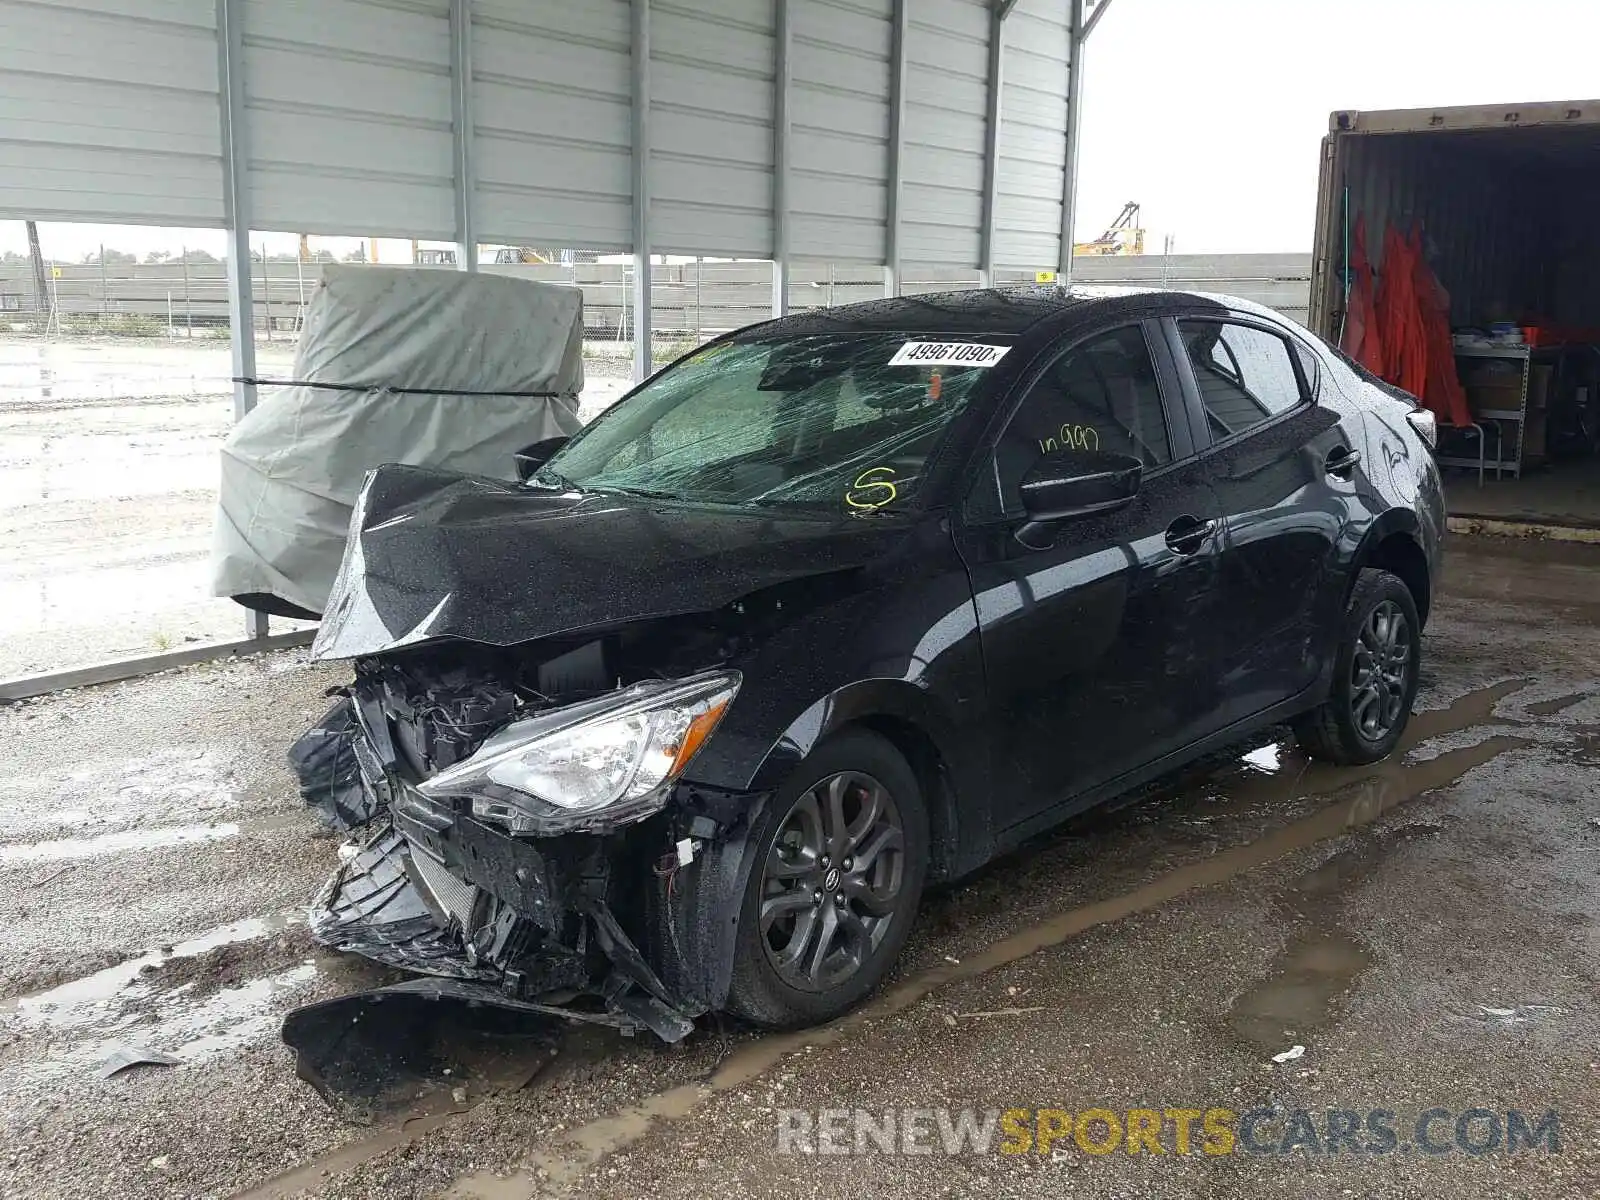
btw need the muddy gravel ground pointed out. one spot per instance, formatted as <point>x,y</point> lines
<point>108,476</point>
<point>1424,929</point>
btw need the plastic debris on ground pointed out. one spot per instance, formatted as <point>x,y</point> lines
<point>124,1057</point>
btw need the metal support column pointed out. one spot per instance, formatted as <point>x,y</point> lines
<point>897,142</point>
<point>641,190</point>
<point>236,212</point>
<point>1079,34</point>
<point>463,134</point>
<point>1094,17</point>
<point>781,77</point>
<point>991,138</point>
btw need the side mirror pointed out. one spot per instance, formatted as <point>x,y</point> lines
<point>531,458</point>
<point>1075,483</point>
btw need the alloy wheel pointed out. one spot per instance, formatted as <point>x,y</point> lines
<point>832,881</point>
<point>1380,671</point>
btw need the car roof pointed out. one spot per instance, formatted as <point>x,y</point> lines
<point>1012,310</point>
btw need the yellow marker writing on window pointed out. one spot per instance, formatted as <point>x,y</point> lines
<point>1071,437</point>
<point>872,489</point>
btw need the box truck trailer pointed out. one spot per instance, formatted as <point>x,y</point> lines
<point>1506,195</point>
<point>1506,198</point>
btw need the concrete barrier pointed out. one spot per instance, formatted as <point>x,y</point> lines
<point>689,300</point>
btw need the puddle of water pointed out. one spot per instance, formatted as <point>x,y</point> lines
<point>192,1030</point>
<point>79,1001</point>
<point>71,849</point>
<point>1321,963</point>
<point>225,1020</point>
<point>1549,708</point>
<point>183,787</point>
<point>432,1112</point>
<point>1522,1014</point>
<point>229,1018</point>
<point>1302,991</point>
<point>1356,796</point>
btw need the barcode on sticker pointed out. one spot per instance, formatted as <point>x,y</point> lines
<point>947,354</point>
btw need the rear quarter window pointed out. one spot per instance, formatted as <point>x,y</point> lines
<point>1246,375</point>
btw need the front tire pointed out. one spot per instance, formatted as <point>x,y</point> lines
<point>1375,676</point>
<point>840,859</point>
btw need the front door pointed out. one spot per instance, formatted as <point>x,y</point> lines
<point>1282,467</point>
<point>1095,636</point>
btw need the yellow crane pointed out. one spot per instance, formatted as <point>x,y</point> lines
<point>525,254</point>
<point>1122,236</point>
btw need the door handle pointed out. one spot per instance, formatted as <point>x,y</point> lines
<point>1341,463</point>
<point>1187,534</point>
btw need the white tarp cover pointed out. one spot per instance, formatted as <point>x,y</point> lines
<point>292,467</point>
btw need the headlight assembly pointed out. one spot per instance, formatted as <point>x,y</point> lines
<point>613,759</point>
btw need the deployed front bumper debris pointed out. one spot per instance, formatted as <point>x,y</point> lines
<point>493,971</point>
<point>366,1054</point>
<point>323,759</point>
<point>371,907</point>
<point>546,948</point>
<point>623,923</point>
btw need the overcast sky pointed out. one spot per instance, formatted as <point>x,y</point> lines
<point>1210,112</point>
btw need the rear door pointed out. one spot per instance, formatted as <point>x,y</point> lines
<point>1284,471</point>
<point>1094,640</point>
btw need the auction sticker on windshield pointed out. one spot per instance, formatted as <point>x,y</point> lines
<point>947,354</point>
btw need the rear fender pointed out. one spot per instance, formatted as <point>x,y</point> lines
<point>1391,521</point>
<point>1402,521</point>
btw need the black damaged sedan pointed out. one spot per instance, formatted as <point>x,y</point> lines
<point>838,606</point>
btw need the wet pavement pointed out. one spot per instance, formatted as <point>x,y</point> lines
<point>1259,932</point>
<point>108,474</point>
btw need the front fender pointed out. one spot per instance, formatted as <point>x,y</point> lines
<point>701,915</point>
<point>952,767</point>
<point>852,704</point>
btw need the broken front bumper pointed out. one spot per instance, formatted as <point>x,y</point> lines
<point>626,925</point>
<point>524,925</point>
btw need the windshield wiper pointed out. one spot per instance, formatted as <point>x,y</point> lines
<point>645,493</point>
<point>552,480</point>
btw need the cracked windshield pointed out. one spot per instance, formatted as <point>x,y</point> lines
<point>847,422</point>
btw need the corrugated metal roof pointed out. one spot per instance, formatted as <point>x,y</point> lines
<point>946,94</point>
<point>1033,136</point>
<point>839,141</point>
<point>110,112</point>
<point>552,89</point>
<point>349,100</point>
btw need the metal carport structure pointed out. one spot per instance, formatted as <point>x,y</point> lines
<point>890,133</point>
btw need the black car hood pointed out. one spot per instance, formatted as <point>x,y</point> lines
<point>435,555</point>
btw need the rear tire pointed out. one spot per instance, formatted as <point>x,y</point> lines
<point>1374,676</point>
<point>840,859</point>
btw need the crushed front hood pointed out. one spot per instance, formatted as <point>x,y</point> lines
<point>436,555</point>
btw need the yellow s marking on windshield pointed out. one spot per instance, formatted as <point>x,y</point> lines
<point>867,494</point>
<point>712,353</point>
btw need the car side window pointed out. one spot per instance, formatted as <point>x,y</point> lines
<point>1246,375</point>
<point>1308,365</point>
<point>1100,395</point>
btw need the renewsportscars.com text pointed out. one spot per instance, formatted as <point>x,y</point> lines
<point>1160,1131</point>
